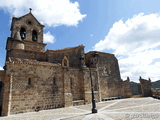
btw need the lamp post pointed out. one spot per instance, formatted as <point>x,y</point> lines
<point>93,61</point>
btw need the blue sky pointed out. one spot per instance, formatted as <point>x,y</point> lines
<point>127,28</point>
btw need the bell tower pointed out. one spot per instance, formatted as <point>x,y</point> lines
<point>29,27</point>
<point>26,36</point>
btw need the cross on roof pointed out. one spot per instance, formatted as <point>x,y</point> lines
<point>30,9</point>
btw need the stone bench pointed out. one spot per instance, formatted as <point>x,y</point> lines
<point>111,98</point>
<point>156,96</point>
<point>78,102</point>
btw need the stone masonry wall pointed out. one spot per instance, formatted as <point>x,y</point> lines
<point>145,87</point>
<point>41,93</point>
<point>2,79</point>
<point>2,75</point>
<point>109,81</point>
<point>73,85</point>
<point>17,23</point>
<point>6,94</point>
<point>87,85</point>
<point>126,88</point>
<point>31,46</point>
<point>26,54</point>
<point>77,84</point>
<point>72,55</point>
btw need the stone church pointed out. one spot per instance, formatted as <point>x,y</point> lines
<point>36,79</point>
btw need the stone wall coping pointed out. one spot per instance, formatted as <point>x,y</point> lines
<point>25,41</point>
<point>30,61</point>
<point>100,53</point>
<point>65,49</point>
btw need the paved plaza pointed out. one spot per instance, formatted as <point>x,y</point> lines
<point>122,109</point>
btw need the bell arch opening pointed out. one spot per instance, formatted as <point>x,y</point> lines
<point>34,36</point>
<point>23,33</point>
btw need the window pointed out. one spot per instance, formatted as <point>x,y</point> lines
<point>29,81</point>
<point>65,62</point>
<point>71,82</point>
<point>105,70</point>
<point>23,33</point>
<point>29,22</point>
<point>34,35</point>
<point>54,80</point>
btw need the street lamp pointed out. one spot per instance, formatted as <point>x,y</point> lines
<point>92,61</point>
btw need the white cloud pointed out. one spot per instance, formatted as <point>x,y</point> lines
<point>145,64</point>
<point>136,34</point>
<point>48,38</point>
<point>1,68</point>
<point>136,42</point>
<point>49,12</point>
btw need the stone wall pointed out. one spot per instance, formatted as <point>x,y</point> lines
<point>23,21</point>
<point>2,78</point>
<point>26,54</point>
<point>145,87</point>
<point>41,93</point>
<point>41,85</point>
<point>72,54</point>
<point>34,46</point>
<point>6,95</point>
<point>73,85</point>
<point>2,75</point>
<point>28,45</point>
<point>76,84</point>
<point>109,82</point>
<point>126,88</point>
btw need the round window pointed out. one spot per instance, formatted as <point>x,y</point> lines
<point>29,22</point>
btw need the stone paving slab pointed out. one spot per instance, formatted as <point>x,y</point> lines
<point>121,109</point>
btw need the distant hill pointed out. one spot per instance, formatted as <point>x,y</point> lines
<point>136,88</point>
<point>156,84</point>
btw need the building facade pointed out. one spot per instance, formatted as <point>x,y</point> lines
<point>34,79</point>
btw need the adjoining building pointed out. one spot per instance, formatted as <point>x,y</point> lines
<point>34,79</point>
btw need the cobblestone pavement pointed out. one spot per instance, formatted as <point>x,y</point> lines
<point>123,109</point>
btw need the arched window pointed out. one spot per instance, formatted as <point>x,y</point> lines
<point>29,81</point>
<point>34,36</point>
<point>65,62</point>
<point>23,33</point>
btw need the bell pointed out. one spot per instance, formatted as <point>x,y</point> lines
<point>22,36</point>
<point>34,38</point>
